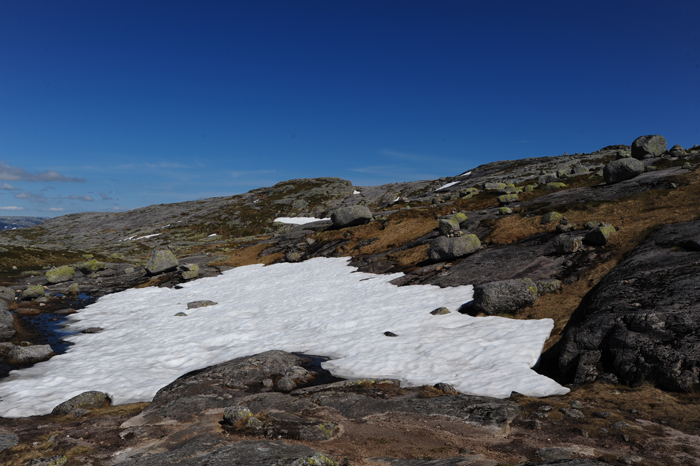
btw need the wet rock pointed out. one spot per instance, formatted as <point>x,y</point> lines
<point>643,317</point>
<point>650,146</point>
<point>202,303</point>
<point>504,297</point>
<point>621,170</point>
<point>444,248</point>
<point>162,260</point>
<point>60,274</point>
<point>86,400</point>
<point>30,354</point>
<point>351,216</point>
<point>599,236</point>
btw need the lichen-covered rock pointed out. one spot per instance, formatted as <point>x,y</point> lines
<point>190,271</point>
<point>317,459</point>
<point>444,248</point>
<point>91,266</point>
<point>645,147</point>
<point>323,431</point>
<point>507,198</point>
<point>201,303</point>
<point>86,400</point>
<point>30,354</point>
<point>599,235</point>
<point>550,217</point>
<point>494,186</point>
<point>7,293</point>
<point>556,185</point>
<point>34,291</point>
<point>547,178</point>
<point>505,210</point>
<point>447,226</point>
<point>236,414</point>
<point>677,151</point>
<point>48,461</point>
<point>504,297</point>
<point>459,217</point>
<point>591,224</point>
<point>74,288</point>
<point>579,169</point>
<point>60,274</point>
<point>567,244</point>
<point>441,311</point>
<point>548,286</point>
<point>621,170</point>
<point>687,165</point>
<point>162,260</point>
<point>293,256</point>
<point>351,216</point>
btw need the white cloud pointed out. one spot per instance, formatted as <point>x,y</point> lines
<point>30,196</point>
<point>56,209</point>
<point>11,207</point>
<point>8,187</point>
<point>10,173</point>
<point>81,198</point>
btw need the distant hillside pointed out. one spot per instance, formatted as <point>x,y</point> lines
<point>15,223</point>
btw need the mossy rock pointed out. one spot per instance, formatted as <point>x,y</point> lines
<point>599,236</point>
<point>494,186</point>
<point>74,288</point>
<point>686,165</point>
<point>162,260</point>
<point>507,198</point>
<point>460,217</point>
<point>190,271</point>
<point>33,292</point>
<point>505,210</point>
<point>556,185</point>
<point>550,217</point>
<point>60,274</point>
<point>448,226</point>
<point>90,266</point>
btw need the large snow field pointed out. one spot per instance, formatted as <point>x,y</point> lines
<point>320,306</point>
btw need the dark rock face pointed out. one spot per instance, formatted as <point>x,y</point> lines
<point>504,297</point>
<point>642,321</point>
<point>650,146</point>
<point>351,216</point>
<point>622,169</point>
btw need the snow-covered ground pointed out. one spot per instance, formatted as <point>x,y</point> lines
<point>298,220</point>
<point>320,306</point>
<point>447,185</point>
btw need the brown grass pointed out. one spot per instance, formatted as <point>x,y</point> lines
<point>250,255</point>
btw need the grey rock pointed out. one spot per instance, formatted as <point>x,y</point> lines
<point>33,291</point>
<point>8,440</point>
<point>446,388</point>
<point>567,244</point>
<point>507,198</point>
<point>162,260</point>
<point>293,256</point>
<point>201,303</point>
<point>490,186</point>
<point>48,461</point>
<point>574,413</point>
<point>7,293</point>
<point>550,217</point>
<point>441,311</point>
<point>447,226</point>
<point>351,216</point>
<point>645,147</point>
<point>30,354</point>
<point>547,178</point>
<point>235,414</point>
<point>189,271</point>
<point>86,400</point>
<point>621,170</point>
<point>643,317</point>
<point>504,297</point>
<point>548,286</point>
<point>677,151</point>
<point>444,248</point>
<point>7,329</point>
<point>579,169</point>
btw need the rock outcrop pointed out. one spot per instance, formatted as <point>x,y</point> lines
<point>642,321</point>
<point>622,169</point>
<point>645,147</point>
<point>351,216</point>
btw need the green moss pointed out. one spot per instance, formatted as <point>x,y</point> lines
<point>60,274</point>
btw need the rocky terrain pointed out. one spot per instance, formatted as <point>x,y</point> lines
<point>606,244</point>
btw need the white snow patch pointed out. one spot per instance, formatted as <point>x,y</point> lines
<point>447,185</point>
<point>330,309</point>
<point>213,234</point>
<point>147,236</point>
<point>297,220</point>
<point>466,173</point>
<point>356,192</point>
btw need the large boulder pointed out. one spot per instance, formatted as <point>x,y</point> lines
<point>642,321</point>
<point>84,401</point>
<point>30,354</point>
<point>351,216</point>
<point>60,274</point>
<point>622,169</point>
<point>504,297</point>
<point>162,260</point>
<point>444,248</point>
<point>646,147</point>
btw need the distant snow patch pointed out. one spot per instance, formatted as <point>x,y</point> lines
<point>356,192</point>
<point>466,173</point>
<point>297,220</point>
<point>447,185</point>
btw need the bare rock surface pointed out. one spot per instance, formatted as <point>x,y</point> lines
<point>642,321</point>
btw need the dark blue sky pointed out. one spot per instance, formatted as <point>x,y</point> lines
<point>131,103</point>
